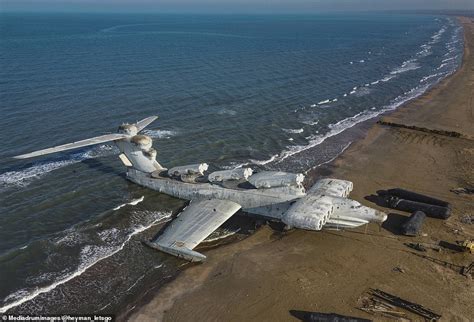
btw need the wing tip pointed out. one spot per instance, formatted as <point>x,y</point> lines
<point>180,252</point>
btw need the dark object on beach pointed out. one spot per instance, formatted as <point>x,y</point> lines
<point>373,305</point>
<point>452,134</point>
<point>412,226</point>
<point>467,191</point>
<point>407,305</point>
<point>451,246</point>
<point>412,206</point>
<point>416,246</point>
<point>467,219</point>
<point>324,317</point>
<point>413,196</point>
<point>468,270</point>
<point>454,267</point>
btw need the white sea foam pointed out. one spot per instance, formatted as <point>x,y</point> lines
<point>134,202</point>
<point>448,59</point>
<point>160,134</point>
<point>363,91</point>
<point>441,66</point>
<point>263,162</point>
<point>294,131</point>
<point>375,82</point>
<point>23,177</point>
<point>347,123</point>
<point>405,67</point>
<point>437,36</point>
<point>425,51</point>
<point>90,255</point>
<point>324,102</point>
<point>311,123</point>
<point>424,79</point>
<point>387,78</point>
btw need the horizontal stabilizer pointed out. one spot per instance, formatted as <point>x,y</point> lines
<point>74,145</point>
<point>145,122</point>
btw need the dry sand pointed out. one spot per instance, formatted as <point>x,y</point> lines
<point>268,274</point>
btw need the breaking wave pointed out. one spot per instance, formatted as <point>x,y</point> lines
<point>89,256</point>
<point>405,67</point>
<point>134,202</point>
<point>23,177</point>
<point>345,124</point>
<point>293,131</point>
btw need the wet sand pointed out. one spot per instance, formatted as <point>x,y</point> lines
<point>270,273</point>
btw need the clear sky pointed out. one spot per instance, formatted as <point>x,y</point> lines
<point>229,6</point>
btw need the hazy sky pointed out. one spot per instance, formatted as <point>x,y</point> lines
<point>229,6</point>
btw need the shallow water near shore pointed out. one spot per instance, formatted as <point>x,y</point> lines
<point>267,91</point>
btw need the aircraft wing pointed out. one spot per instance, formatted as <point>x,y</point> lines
<point>192,226</point>
<point>74,145</point>
<point>332,187</point>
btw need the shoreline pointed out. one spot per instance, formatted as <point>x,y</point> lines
<point>234,275</point>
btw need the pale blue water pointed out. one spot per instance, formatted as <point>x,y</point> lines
<point>261,90</point>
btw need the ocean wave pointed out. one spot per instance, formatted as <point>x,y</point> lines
<point>425,50</point>
<point>310,123</point>
<point>362,91</point>
<point>23,177</point>
<point>424,79</point>
<point>405,67</point>
<point>160,134</point>
<point>324,102</point>
<point>442,65</point>
<point>437,36</point>
<point>387,78</point>
<point>89,256</point>
<point>134,202</point>
<point>448,59</point>
<point>263,162</point>
<point>347,123</point>
<point>293,131</point>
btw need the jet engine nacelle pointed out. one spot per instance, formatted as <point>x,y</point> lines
<point>139,153</point>
<point>314,211</point>
<point>310,212</point>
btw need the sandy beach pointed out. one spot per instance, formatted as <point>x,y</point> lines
<point>270,273</point>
